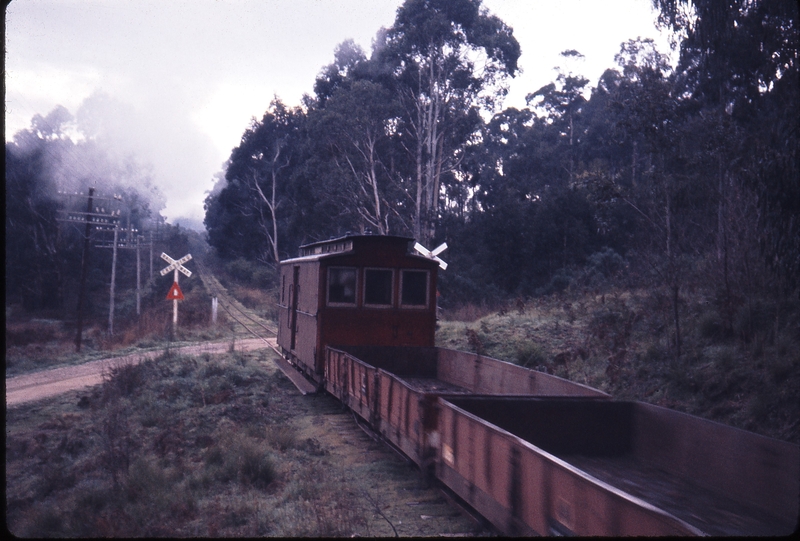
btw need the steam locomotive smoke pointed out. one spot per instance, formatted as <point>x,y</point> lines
<point>114,147</point>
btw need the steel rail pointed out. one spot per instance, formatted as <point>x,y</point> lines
<point>227,304</point>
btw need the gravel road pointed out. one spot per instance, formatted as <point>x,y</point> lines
<point>38,385</point>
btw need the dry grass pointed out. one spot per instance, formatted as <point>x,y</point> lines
<point>34,345</point>
<point>209,446</point>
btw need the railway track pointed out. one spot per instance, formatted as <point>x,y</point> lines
<point>245,320</point>
<point>248,321</point>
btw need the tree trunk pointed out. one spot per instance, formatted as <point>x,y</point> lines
<point>677,319</point>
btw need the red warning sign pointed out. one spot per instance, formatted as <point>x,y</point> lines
<point>175,293</point>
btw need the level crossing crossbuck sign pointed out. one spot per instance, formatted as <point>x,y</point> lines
<point>176,265</point>
<point>175,294</point>
<point>433,254</point>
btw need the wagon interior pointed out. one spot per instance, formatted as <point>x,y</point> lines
<point>449,371</point>
<point>710,480</point>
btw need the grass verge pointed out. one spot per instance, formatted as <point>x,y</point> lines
<point>208,446</point>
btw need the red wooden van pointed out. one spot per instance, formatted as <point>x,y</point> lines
<point>357,290</point>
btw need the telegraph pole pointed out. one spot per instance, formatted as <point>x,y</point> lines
<point>138,278</point>
<point>113,281</point>
<point>151,254</point>
<point>93,216</point>
<point>84,266</point>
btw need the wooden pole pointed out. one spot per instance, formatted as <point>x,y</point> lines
<point>113,280</point>
<point>84,265</point>
<point>151,254</point>
<point>138,279</point>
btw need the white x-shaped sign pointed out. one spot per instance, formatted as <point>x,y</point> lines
<point>432,253</point>
<point>176,264</point>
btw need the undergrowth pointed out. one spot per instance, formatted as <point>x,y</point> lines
<point>623,343</point>
<point>206,446</point>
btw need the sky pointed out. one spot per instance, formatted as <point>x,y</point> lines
<point>180,80</point>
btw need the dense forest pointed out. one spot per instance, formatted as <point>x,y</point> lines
<point>668,177</point>
<point>679,179</point>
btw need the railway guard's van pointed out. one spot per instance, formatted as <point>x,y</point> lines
<point>357,290</point>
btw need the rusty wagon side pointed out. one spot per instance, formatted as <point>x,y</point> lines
<point>395,389</point>
<point>572,466</point>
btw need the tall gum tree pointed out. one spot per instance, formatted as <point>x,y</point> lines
<point>449,57</point>
<point>354,118</point>
<point>256,174</point>
<point>739,66</point>
<point>563,103</point>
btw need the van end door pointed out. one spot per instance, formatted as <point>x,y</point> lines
<point>294,293</point>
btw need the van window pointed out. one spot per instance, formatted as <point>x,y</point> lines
<point>378,287</point>
<point>414,288</point>
<point>341,285</point>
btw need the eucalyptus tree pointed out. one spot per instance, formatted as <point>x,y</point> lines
<point>31,240</point>
<point>739,69</point>
<point>562,102</point>
<point>257,176</point>
<point>670,204</point>
<point>357,125</point>
<point>449,58</point>
<point>44,163</point>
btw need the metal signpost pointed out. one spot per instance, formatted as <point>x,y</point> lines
<point>175,293</point>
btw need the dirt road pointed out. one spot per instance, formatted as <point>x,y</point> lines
<point>38,385</point>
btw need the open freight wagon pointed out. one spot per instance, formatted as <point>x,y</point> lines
<point>395,389</point>
<point>572,466</point>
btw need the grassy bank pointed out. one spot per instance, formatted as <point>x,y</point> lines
<point>624,343</point>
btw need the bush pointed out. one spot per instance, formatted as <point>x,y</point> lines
<point>602,265</point>
<point>282,437</point>
<point>124,379</point>
<point>147,481</point>
<point>257,468</point>
<point>530,355</point>
<point>252,273</point>
<point>558,283</point>
<point>236,457</point>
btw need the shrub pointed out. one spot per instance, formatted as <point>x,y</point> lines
<point>124,379</point>
<point>282,437</point>
<point>530,355</point>
<point>236,457</point>
<point>252,273</point>
<point>147,481</point>
<point>558,283</point>
<point>257,468</point>
<point>601,267</point>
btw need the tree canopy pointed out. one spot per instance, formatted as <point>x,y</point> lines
<point>687,172</point>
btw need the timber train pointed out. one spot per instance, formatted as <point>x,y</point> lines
<point>534,454</point>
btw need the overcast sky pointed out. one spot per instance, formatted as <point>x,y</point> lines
<point>182,78</point>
